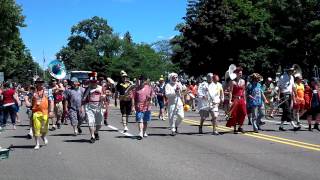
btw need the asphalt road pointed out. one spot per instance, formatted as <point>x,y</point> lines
<point>269,155</point>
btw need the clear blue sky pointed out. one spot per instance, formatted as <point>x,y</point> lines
<point>49,21</point>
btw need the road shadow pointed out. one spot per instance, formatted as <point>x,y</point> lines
<point>108,130</point>
<point>63,135</point>
<point>128,137</point>
<point>22,137</point>
<point>23,125</point>
<point>22,147</point>
<point>156,134</point>
<point>158,127</point>
<point>77,141</point>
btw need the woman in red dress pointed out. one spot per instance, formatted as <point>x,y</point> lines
<point>237,100</point>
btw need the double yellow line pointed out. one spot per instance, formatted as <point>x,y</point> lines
<point>276,139</point>
<point>290,142</point>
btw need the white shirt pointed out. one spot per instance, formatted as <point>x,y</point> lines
<point>173,96</point>
<point>286,83</point>
<point>214,91</point>
<point>203,103</point>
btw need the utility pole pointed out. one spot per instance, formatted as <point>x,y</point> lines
<point>44,61</point>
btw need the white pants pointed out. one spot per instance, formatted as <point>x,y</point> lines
<point>94,114</point>
<point>176,115</point>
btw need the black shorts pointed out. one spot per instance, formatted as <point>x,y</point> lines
<point>125,107</point>
<point>161,102</point>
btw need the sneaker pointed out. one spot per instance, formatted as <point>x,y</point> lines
<point>216,133</point>
<point>282,129</point>
<point>262,123</point>
<point>58,125</point>
<point>79,130</point>
<point>125,129</point>
<point>173,132</point>
<point>96,135</point>
<point>37,147</point>
<point>92,140</point>
<point>75,133</point>
<point>145,134</point>
<point>45,141</point>
<point>29,136</point>
<point>177,132</point>
<point>140,136</point>
<point>14,127</point>
<point>53,128</point>
<point>297,128</point>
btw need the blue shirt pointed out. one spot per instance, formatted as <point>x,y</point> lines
<point>255,90</point>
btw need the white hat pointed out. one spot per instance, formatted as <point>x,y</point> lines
<point>171,75</point>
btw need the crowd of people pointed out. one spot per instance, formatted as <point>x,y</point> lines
<point>71,101</point>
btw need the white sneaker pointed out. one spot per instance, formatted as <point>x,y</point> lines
<point>14,127</point>
<point>145,134</point>
<point>125,129</point>
<point>37,147</point>
<point>45,141</point>
<point>140,135</point>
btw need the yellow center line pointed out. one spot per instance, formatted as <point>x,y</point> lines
<point>266,137</point>
<point>282,142</point>
<point>276,137</point>
<point>196,123</point>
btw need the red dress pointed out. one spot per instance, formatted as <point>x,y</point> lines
<point>238,109</point>
<point>307,97</point>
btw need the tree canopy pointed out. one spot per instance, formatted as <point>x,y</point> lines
<point>259,35</point>
<point>15,59</point>
<point>94,46</point>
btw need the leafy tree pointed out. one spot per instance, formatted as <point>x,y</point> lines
<point>93,46</point>
<point>259,35</point>
<point>15,59</point>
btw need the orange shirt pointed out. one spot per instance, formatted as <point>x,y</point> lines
<point>40,104</point>
<point>300,91</point>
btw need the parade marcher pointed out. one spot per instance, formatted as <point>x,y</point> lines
<point>203,103</point>
<point>141,98</point>
<point>10,101</point>
<point>270,93</point>
<point>72,105</point>
<point>160,92</point>
<point>255,101</point>
<point>57,92</point>
<point>286,92</point>
<point>92,102</point>
<point>173,91</point>
<point>312,103</point>
<point>122,91</point>
<point>28,98</point>
<point>42,106</point>
<point>214,95</point>
<point>107,92</point>
<point>1,107</point>
<point>237,102</point>
<point>299,106</point>
<point>193,89</point>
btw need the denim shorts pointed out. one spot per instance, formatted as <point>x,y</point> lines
<point>143,116</point>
